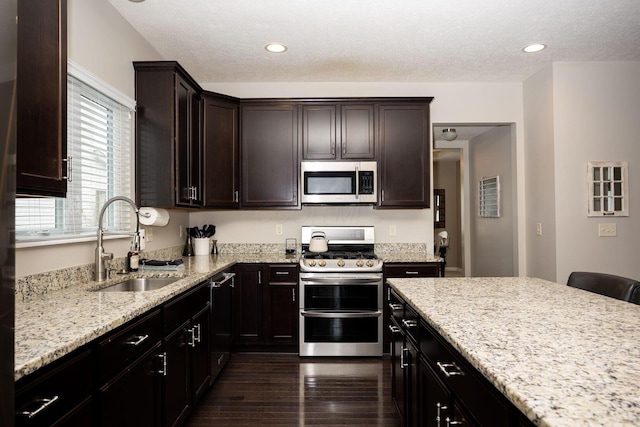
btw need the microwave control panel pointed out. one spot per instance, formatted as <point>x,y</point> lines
<point>365,182</point>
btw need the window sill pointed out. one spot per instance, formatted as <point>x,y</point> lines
<point>20,244</point>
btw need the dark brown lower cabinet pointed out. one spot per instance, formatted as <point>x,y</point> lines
<point>281,305</point>
<point>133,397</point>
<point>186,357</point>
<point>266,307</point>
<point>59,395</point>
<point>398,391</point>
<point>176,399</point>
<point>435,398</point>
<point>433,385</point>
<point>248,306</point>
<point>201,353</point>
<point>150,371</point>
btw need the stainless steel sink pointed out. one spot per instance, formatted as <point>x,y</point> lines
<point>140,284</point>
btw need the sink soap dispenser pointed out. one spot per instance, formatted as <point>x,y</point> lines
<point>133,257</point>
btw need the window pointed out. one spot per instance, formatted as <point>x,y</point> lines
<point>608,194</point>
<point>99,145</point>
<point>489,197</point>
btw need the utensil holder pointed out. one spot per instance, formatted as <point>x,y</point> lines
<point>201,246</point>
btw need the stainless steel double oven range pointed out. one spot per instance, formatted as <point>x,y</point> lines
<point>341,294</point>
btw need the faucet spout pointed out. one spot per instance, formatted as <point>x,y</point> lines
<point>101,256</point>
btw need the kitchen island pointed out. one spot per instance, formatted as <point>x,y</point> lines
<point>562,356</point>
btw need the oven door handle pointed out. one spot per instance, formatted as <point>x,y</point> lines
<point>341,281</point>
<point>341,315</point>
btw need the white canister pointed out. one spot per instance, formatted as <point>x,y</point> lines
<point>201,245</point>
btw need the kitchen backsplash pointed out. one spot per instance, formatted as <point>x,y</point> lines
<point>40,284</point>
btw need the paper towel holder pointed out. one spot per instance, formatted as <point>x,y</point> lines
<point>151,216</point>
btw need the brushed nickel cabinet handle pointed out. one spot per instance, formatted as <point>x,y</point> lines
<point>449,369</point>
<point>137,340</point>
<point>45,404</point>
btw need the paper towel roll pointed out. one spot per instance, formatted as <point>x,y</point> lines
<point>154,216</point>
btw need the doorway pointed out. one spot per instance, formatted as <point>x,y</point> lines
<point>478,246</point>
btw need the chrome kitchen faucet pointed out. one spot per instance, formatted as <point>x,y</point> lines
<point>102,273</point>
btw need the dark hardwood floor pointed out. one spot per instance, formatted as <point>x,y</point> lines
<point>258,389</point>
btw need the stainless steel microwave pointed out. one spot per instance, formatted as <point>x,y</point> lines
<point>339,182</point>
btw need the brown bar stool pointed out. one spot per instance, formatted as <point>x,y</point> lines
<point>609,285</point>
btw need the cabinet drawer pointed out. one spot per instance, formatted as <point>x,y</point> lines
<point>283,273</point>
<point>410,323</point>
<point>396,308</point>
<point>180,309</point>
<point>53,394</point>
<point>412,270</point>
<point>470,387</point>
<point>122,346</point>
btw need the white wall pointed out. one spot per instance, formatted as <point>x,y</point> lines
<point>540,175</point>
<point>596,117</point>
<point>493,239</point>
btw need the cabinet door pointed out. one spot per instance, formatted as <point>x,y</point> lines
<point>201,353</point>
<point>168,142</point>
<point>319,132</point>
<point>404,160</point>
<point>397,370</point>
<point>357,132</point>
<point>412,380</point>
<point>434,399</point>
<point>187,144</point>
<point>282,313</point>
<point>176,390</point>
<point>248,305</point>
<point>221,162</point>
<point>133,398</point>
<point>54,394</point>
<point>41,98</point>
<point>270,158</point>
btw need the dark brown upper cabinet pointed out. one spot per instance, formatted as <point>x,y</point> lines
<point>334,131</point>
<point>42,98</point>
<point>168,143</point>
<point>269,146</point>
<point>404,159</point>
<point>221,151</point>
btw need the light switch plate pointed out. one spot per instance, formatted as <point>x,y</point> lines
<point>607,230</point>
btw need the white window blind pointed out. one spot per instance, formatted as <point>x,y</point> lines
<point>99,144</point>
<point>489,197</point>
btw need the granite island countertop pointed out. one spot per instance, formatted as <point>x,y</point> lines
<point>51,325</point>
<point>562,356</point>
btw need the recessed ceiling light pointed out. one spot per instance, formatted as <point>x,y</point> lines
<point>533,48</point>
<point>275,47</point>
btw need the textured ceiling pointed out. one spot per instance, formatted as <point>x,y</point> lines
<point>383,40</point>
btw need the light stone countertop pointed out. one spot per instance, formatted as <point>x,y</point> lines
<point>563,356</point>
<point>54,324</point>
